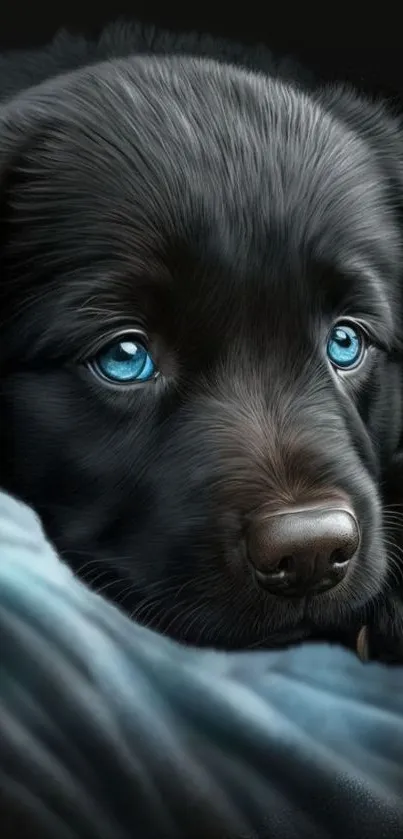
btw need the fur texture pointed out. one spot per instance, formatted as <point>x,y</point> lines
<point>232,216</point>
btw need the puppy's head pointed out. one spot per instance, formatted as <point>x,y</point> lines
<point>200,318</point>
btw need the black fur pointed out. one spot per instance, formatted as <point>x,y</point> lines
<point>232,216</point>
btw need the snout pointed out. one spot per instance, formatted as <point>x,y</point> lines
<point>303,550</point>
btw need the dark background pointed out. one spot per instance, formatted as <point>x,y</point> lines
<point>335,44</point>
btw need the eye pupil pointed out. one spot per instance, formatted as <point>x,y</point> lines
<point>345,346</point>
<point>125,361</point>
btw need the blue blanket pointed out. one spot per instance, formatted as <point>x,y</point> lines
<point>108,731</point>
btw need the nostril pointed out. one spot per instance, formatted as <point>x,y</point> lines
<point>286,564</point>
<point>339,557</point>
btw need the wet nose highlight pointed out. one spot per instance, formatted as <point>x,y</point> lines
<point>303,550</point>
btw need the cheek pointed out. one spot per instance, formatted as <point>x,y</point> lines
<point>370,401</point>
<point>357,386</point>
<point>384,410</point>
<point>62,439</point>
<point>373,411</point>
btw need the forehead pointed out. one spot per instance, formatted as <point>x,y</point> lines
<point>208,186</point>
<point>195,141</point>
<point>181,142</point>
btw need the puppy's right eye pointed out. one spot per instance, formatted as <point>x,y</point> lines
<point>124,361</point>
<point>345,345</point>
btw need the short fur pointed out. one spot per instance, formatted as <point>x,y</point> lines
<point>233,216</point>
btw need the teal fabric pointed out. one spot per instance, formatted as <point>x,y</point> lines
<point>108,731</point>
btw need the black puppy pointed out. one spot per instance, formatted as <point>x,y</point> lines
<point>201,325</point>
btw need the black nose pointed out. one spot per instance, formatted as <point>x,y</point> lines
<point>303,550</point>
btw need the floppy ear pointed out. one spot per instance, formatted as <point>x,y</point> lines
<point>376,123</point>
<point>20,120</point>
<point>25,122</point>
<point>381,129</point>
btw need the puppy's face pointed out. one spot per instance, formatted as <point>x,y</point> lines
<point>200,394</point>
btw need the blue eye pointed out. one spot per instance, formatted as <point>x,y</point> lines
<point>125,361</point>
<point>345,345</point>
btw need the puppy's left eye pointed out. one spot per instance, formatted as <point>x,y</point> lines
<point>126,360</point>
<point>345,345</point>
